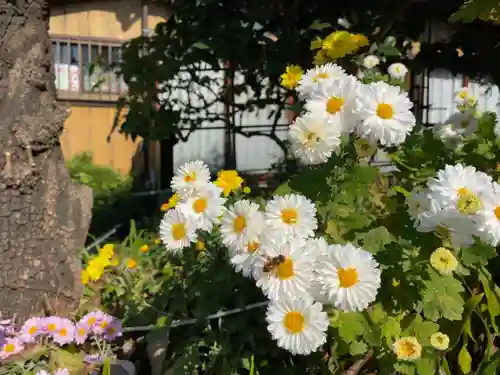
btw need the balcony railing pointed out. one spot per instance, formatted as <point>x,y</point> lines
<point>81,69</point>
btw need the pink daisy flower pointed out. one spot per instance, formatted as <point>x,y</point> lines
<point>10,347</point>
<point>31,329</point>
<point>65,332</point>
<point>81,332</point>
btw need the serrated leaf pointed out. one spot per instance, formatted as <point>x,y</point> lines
<point>358,348</point>
<point>465,360</point>
<point>477,254</point>
<point>442,297</point>
<point>74,362</point>
<point>391,329</point>
<point>375,239</point>
<point>426,366</point>
<point>350,326</point>
<point>404,368</point>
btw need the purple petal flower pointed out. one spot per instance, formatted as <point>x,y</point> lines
<point>64,332</point>
<point>10,347</point>
<point>81,333</point>
<point>114,330</point>
<point>31,329</point>
<point>62,371</point>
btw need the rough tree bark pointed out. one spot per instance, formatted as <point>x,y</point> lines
<point>44,218</point>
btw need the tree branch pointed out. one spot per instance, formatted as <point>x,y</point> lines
<point>358,365</point>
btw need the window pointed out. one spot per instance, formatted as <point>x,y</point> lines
<point>81,69</point>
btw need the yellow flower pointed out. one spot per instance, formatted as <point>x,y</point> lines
<point>440,341</point>
<point>247,190</point>
<point>131,263</point>
<point>144,249</point>
<point>84,275</point>
<point>200,245</point>
<point>157,241</point>
<point>164,207</point>
<point>320,58</point>
<point>229,181</point>
<point>172,202</point>
<point>317,43</point>
<point>407,349</point>
<point>291,77</point>
<point>443,261</point>
<point>94,271</point>
<point>339,44</point>
<point>107,251</point>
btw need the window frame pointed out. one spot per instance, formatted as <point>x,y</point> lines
<point>84,94</point>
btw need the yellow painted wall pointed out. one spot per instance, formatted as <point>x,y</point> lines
<point>88,127</point>
<point>120,19</point>
<point>87,130</point>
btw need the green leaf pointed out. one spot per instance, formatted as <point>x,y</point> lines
<point>283,189</point>
<point>350,326</point>
<point>465,360</point>
<point>491,297</point>
<point>391,329</point>
<point>200,45</point>
<point>375,239</point>
<point>441,297</point>
<point>421,329</point>
<point>358,348</point>
<point>319,25</point>
<point>445,367</point>
<point>64,359</point>
<point>491,366</point>
<point>426,366</point>
<point>477,254</point>
<point>404,368</point>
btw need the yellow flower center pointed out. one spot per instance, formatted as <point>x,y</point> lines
<point>200,205</point>
<point>289,215</point>
<point>462,191</point>
<point>320,76</point>
<point>348,277</point>
<point>294,322</point>
<point>385,111</point>
<point>311,138</point>
<point>92,321</point>
<point>144,249</point>
<point>32,330</point>
<point>131,263</point>
<point>469,204</point>
<point>397,69</point>
<point>81,331</point>
<point>104,324</point>
<point>51,327</point>
<point>239,224</point>
<point>407,349</point>
<point>462,94</point>
<point>190,177</point>
<point>444,260</point>
<point>9,348</point>
<point>111,330</point>
<point>178,231</point>
<point>252,247</point>
<point>285,270</point>
<point>200,245</point>
<point>497,212</point>
<point>334,105</point>
<point>63,332</point>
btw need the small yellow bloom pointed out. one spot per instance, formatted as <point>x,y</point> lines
<point>229,181</point>
<point>107,251</point>
<point>440,341</point>
<point>131,263</point>
<point>407,349</point>
<point>84,275</point>
<point>247,190</point>
<point>444,261</point>
<point>94,271</point>
<point>164,207</point>
<point>200,245</point>
<point>291,77</point>
<point>174,199</point>
<point>144,249</point>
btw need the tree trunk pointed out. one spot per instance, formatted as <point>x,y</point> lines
<point>44,218</point>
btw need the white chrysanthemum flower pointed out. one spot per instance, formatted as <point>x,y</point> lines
<point>297,325</point>
<point>336,100</point>
<point>313,137</point>
<point>317,77</point>
<point>291,275</point>
<point>291,216</point>
<point>488,218</point>
<point>460,187</point>
<point>447,134</point>
<point>241,223</point>
<point>205,206</point>
<point>177,230</point>
<point>419,204</point>
<point>448,223</point>
<point>248,259</point>
<point>464,123</point>
<point>349,277</point>
<point>465,97</point>
<point>371,61</point>
<point>385,115</point>
<point>397,70</point>
<point>190,177</point>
